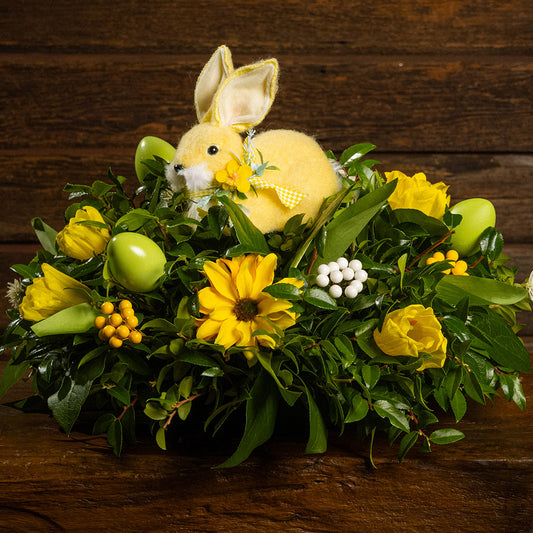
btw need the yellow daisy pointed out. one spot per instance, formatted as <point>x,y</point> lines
<point>235,306</point>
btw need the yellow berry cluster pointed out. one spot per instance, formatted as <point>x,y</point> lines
<point>459,267</point>
<point>116,327</point>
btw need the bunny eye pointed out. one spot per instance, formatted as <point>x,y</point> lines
<point>213,149</point>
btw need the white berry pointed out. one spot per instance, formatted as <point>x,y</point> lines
<point>357,284</point>
<point>342,262</point>
<point>333,266</point>
<point>355,265</point>
<point>336,277</point>
<point>351,291</point>
<point>323,269</point>
<point>361,275</point>
<point>322,280</point>
<point>348,274</point>
<point>335,291</point>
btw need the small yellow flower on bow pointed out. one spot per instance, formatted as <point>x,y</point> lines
<point>235,176</point>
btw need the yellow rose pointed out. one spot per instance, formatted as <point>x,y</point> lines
<point>51,293</point>
<point>418,193</point>
<point>83,241</point>
<point>411,331</point>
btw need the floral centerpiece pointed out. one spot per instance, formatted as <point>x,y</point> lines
<point>386,310</point>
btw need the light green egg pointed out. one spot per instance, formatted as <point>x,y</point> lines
<point>147,148</point>
<point>478,215</point>
<point>135,261</point>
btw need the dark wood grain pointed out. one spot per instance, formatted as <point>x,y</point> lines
<point>416,103</point>
<point>440,87</point>
<point>269,26</point>
<point>56,483</point>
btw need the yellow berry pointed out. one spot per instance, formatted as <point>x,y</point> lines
<point>135,337</point>
<point>99,322</point>
<point>102,336</point>
<point>115,319</point>
<point>447,271</point>
<point>439,256</point>
<point>124,304</point>
<point>127,312</point>
<point>431,261</point>
<point>123,332</point>
<point>460,268</point>
<point>452,255</point>
<point>132,322</point>
<point>108,331</point>
<point>115,342</point>
<point>107,308</point>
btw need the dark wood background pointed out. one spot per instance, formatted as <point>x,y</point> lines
<point>441,87</point>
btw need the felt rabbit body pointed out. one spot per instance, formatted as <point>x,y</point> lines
<point>229,102</point>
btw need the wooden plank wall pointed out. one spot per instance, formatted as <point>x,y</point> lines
<point>443,87</point>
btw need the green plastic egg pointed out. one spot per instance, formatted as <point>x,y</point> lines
<point>147,148</point>
<point>478,215</point>
<point>135,261</point>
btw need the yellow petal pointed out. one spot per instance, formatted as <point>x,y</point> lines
<point>208,330</point>
<point>228,334</point>
<point>220,279</point>
<point>264,274</point>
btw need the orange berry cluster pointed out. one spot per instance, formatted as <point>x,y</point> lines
<point>116,327</point>
<point>459,267</point>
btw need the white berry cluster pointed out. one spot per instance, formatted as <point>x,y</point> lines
<point>341,271</point>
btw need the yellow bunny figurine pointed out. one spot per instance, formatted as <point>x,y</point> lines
<point>231,101</point>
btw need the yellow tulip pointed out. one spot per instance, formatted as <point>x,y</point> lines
<point>412,331</point>
<point>51,293</point>
<point>235,306</point>
<point>418,193</point>
<point>83,241</point>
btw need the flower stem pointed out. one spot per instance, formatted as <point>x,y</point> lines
<point>430,249</point>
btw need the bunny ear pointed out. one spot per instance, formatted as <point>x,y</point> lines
<point>215,71</point>
<point>244,99</point>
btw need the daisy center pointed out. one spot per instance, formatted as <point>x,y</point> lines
<point>245,310</point>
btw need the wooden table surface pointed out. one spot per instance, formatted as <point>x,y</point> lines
<point>440,87</point>
<point>484,483</point>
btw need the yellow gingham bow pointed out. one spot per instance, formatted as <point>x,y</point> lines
<point>287,197</point>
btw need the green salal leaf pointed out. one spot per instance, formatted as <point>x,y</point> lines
<point>429,224</point>
<point>115,437</point>
<point>318,435</point>
<point>407,442</point>
<point>344,228</point>
<point>261,412</point>
<point>66,403</point>
<point>358,409</point>
<point>500,342</point>
<point>446,436</point>
<point>284,291</point>
<point>134,219</point>
<point>386,410</point>
<point>319,298</point>
<point>481,291</point>
<point>46,235</point>
<point>251,239</point>
<point>12,373</point>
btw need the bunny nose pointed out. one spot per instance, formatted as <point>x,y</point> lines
<point>178,168</point>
